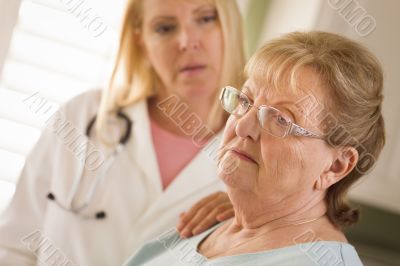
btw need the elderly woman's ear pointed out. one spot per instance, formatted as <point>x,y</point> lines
<point>342,164</point>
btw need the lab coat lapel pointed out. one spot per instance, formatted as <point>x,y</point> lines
<point>197,175</point>
<point>141,149</point>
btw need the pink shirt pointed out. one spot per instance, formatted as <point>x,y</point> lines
<point>173,152</point>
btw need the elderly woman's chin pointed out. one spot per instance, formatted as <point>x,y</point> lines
<point>237,173</point>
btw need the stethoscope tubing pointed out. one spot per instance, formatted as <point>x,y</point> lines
<point>103,170</point>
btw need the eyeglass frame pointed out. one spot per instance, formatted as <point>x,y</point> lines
<point>293,128</point>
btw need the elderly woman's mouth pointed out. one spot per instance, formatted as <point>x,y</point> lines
<point>243,155</point>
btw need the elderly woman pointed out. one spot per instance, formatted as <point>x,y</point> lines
<point>305,126</point>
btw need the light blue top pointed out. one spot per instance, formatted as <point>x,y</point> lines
<point>169,249</point>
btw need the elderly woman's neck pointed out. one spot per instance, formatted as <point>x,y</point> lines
<point>292,211</point>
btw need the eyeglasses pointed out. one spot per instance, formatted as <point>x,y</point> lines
<point>271,119</point>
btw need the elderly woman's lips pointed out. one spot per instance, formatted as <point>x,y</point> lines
<point>243,155</point>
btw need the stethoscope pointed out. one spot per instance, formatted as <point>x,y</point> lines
<point>78,210</point>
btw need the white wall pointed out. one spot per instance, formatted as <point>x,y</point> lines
<point>288,15</point>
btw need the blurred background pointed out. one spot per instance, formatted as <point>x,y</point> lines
<point>58,49</point>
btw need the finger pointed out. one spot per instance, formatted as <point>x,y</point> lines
<point>199,211</point>
<point>227,214</point>
<point>196,219</point>
<point>211,218</point>
<point>224,210</point>
<point>194,209</point>
<point>207,223</point>
<point>188,228</point>
<point>181,224</point>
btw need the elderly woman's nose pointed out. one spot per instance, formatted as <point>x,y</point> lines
<point>247,126</point>
<point>188,39</point>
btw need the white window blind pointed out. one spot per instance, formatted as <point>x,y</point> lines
<point>58,50</point>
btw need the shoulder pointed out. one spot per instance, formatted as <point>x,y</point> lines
<point>305,254</point>
<point>337,253</point>
<point>78,110</point>
<point>167,249</point>
<point>88,100</point>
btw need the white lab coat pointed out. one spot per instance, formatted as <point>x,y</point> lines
<point>131,194</point>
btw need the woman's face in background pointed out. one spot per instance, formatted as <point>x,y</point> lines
<point>183,42</point>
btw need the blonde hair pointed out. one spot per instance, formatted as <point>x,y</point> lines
<point>353,80</point>
<point>133,78</point>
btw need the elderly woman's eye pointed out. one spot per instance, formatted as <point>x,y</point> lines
<point>282,120</point>
<point>243,101</point>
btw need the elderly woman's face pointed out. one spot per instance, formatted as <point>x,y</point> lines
<point>183,42</point>
<point>270,167</point>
